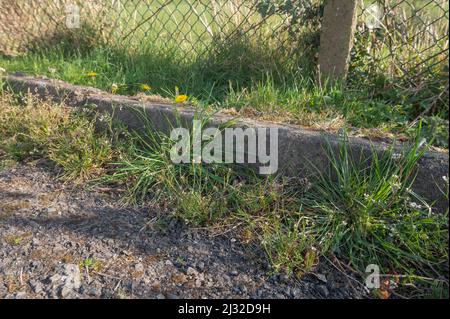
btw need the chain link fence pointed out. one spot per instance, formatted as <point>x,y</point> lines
<point>400,38</point>
<point>405,39</point>
<point>30,24</point>
<point>188,25</point>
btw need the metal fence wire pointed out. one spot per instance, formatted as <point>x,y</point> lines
<point>402,38</point>
<point>189,25</point>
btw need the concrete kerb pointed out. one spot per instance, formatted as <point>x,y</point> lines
<point>298,147</point>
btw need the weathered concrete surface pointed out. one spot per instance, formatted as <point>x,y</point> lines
<point>298,147</point>
<point>336,39</point>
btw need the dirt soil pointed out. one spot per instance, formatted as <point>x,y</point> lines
<point>60,241</point>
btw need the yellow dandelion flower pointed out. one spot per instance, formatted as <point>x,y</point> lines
<point>91,74</point>
<point>181,98</point>
<point>145,87</point>
<point>114,88</point>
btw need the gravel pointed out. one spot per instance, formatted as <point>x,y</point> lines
<point>48,230</point>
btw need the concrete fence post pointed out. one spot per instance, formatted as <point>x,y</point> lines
<point>336,39</point>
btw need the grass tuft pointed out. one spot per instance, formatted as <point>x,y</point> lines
<point>32,129</point>
<point>364,209</point>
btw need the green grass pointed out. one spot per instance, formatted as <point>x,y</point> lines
<point>361,210</point>
<point>90,264</point>
<point>234,59</point>
<point>370,212</point>
<point>42,130</point>
<point>253,72</point>
<point>367,215</point>
<point>252,86</point>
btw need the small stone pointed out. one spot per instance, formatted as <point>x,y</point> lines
<point>56,279</point>
<point>125,252</point>
<point>288,291</point>
<point>52,210</point>
<point>199,280</point>
<point>295,292</point>
<point>322,278</point>
<point>73,275</point>
<point>20,295</point>
<point>191,272</point>
<point>226,278</point>
<point>36,286</point>
<point>168,263</point>
<point>284,278</point>
<point>93,291</point>
<point>66,282</point>
<point>234,273</point>
<point>160,296</point>
<point>323,290</point>
<point>68,293</point>
<point>201,265</point>
<point>139,267</point>
<point>243,289</point>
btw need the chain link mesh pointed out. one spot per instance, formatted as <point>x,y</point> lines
<point>190,25</point>
<point>404,39</point>
<point>399,37</point>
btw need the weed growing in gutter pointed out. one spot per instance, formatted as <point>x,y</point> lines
<point>361,210</point>
<point>369,213</point>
